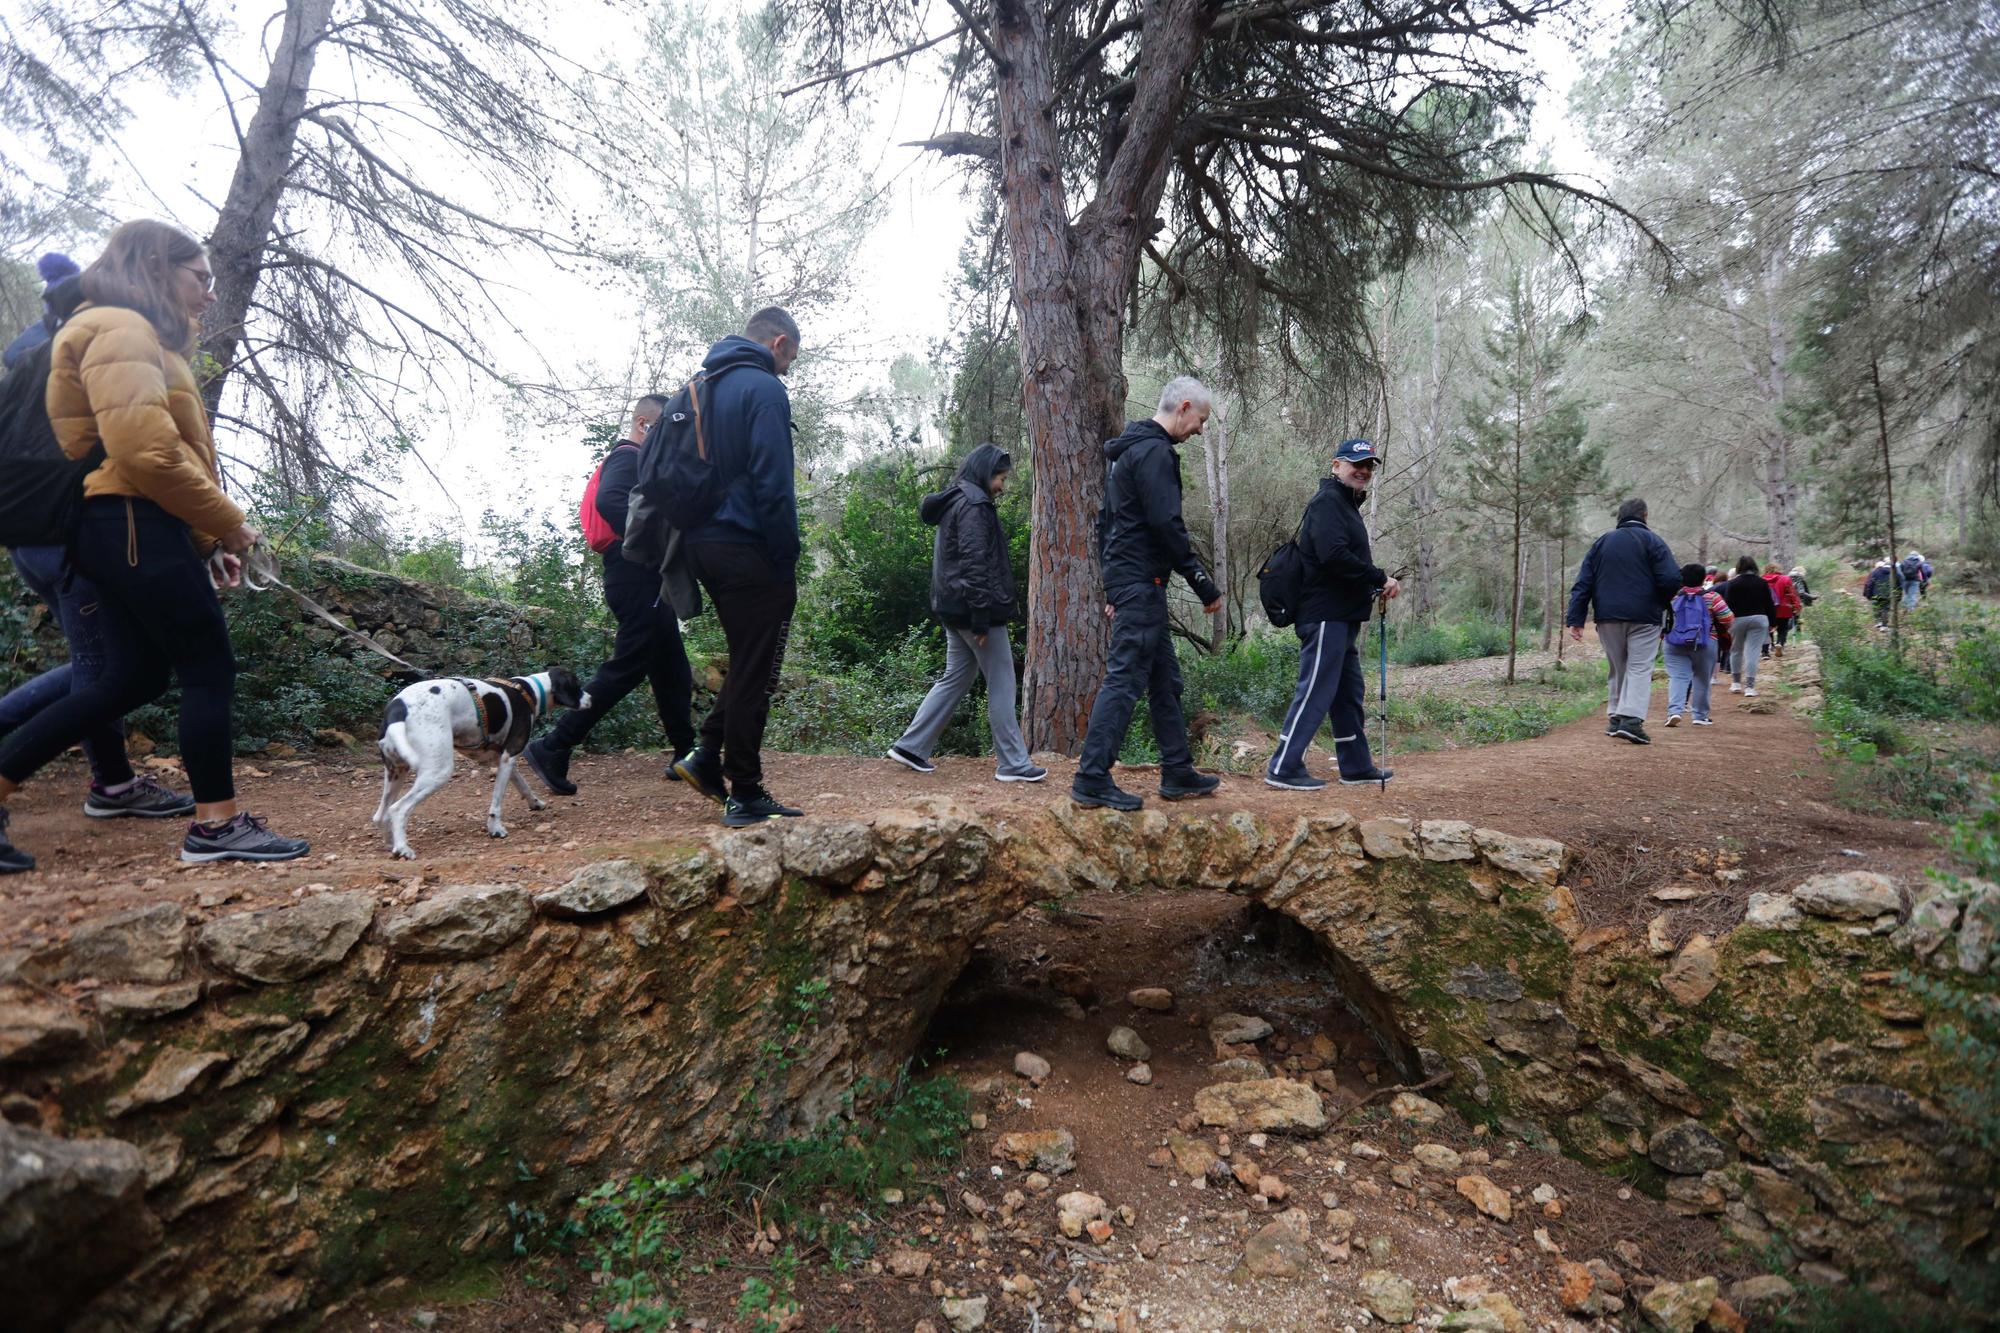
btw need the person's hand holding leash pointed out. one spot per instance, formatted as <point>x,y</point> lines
<point>225,569</point>
<point>241,540</point>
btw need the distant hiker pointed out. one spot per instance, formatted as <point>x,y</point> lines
<point>1629,576</point>
<point>1750,600</point>
<point>1341,585</point>
<point>1710,577</point>
<point>648,646</point>
<point>972,592</point>
<point>747,558</point>
<point>1695,619</point>
<point>1913,575</point>
<point>54,268</point>
<point>1141,542</point>
<point>1880,587</point>
<point>153,519</point>
<point>1784,596</point>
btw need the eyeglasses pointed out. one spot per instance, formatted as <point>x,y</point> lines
<point>207,276</point>
<point>1366,464</point>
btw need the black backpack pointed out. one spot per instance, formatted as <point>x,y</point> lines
<point>41,490</point>
<point>682,474</point>
<point>1281,583</point>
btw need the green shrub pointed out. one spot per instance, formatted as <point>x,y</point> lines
<point>1438,642</point>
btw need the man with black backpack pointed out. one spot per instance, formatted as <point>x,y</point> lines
<point>648,646</point>
<point>746,554</point>
<point>1339,588</point>
<point>1631,577</point>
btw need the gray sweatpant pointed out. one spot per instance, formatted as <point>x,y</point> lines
<point>1629,649</point>
<point>963,659</point>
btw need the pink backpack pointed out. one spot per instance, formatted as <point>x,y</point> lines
<point>596,531</point>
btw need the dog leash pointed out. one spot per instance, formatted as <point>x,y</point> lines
<point>260,574</point>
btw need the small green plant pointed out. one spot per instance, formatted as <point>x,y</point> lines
<point>630,1233</point>
<point>767,1304</point>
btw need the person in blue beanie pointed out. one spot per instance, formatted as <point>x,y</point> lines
<point>53,268</point>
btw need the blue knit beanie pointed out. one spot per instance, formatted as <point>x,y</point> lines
<point>54,267</point>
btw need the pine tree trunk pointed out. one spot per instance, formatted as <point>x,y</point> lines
<point>1216,460</point>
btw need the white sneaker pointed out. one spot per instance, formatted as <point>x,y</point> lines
<point>1734,688</point>
<point>1673,719</point>
<point>1702,722</point>
<point>1750,693</point>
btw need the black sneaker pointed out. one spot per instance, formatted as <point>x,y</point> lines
<point>244,838</point>
<point>754,805</point>
<point>1294,781</point>
<point>1103,795</point>
<point>1613,725</point>
<point>12,859</point>
<point>551,766</point>
<point>142,798</point>
<point>908,760</point>
<point>1187,784</point>
<point>1369,779</point>
<point>1634,731</point>
<point>672,773</point>
<point>700,771</point>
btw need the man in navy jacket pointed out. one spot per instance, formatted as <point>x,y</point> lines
<point>648,646</point>
<point>1630,576</point>
<point>1341,584</point>
<point>1141,542</point>
<point>747,558</point>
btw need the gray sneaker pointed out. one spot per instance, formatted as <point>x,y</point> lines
<point>144,799</point>
<point>243,838</point>
<point>1032,773</point>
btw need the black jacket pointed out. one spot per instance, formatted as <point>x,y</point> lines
<point>614,506</point>
<point>752,431</point>
<point>972,580</point>
<point>1749,595</point>
<point>1629,574</point>
<point>1341,577</point>
<point>1140,535</point>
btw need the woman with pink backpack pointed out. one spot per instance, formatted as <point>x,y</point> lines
<point>1695,620</point>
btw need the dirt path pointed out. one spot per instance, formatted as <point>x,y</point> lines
<point>1752,786</point>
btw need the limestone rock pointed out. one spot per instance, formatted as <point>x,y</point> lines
<point>1859,1112</point>
<point>1238,1029</point>
<point>1487,1197</point>
<point>1384,839</point>
<point>1050,1150</point>
<point>965,1314</point>
<point>1694,973</point>
<point>1977,933</point>
<point>755,864</point>
<point>173,1071</point>
<point>1753,1293</point>
<point>40,1030</point>
<point>1537,860</point>
<point>1854,895</point>
<point>1677,1307</point>
<point>1933,921</point>
<point>147,1001</point>
<point>468,921</point>
<point>690,879</point>
<point>1238,1069</point>
<point>1078,1209</point>
<point>1415,1109</point>
<point>1660,935</point>
<point>288,943</point>
<point>1729,1049</point>
<point>836,851</point>
<point>1156,998</point>
<point>1192,1157</point>
<point>1446,840</point>
<point>1275,1104</point>
<point>1275,1251</point>
<point>1141,1074</point>
<point>1436,1157</point>
<point>73,1219</point>
<point>1390,1297</point>
<point>1772,911</point>
<point>1126,1044</point>
<point>1479,983</point>
<point>266,1051</point>
<point>1476,1320</point>
<point>1031,1066</point>
<point>139,944</point>
<point>602,886</point>
<point>905,1262</point>
<point>1687,1149</point>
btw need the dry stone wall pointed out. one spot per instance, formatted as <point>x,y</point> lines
<point>230,1121</point>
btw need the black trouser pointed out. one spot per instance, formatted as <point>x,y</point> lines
<point>753,600</point>
<point>161,620</point>
<point>648,648</point>
<point>1142,662</point>
<point>1781,630</point>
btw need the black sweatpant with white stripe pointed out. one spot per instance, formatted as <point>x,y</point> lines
<point>1331,685</point>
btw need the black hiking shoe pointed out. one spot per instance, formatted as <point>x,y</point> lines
<point>1368,779</point>
<point>142,798</point>
<point>700,771</point>
<point>1103,794</point>
<point>551,766</point>
<point>1187,783</point>
<point>244,838</point>
<point>1294,781</point>
<point>1634,731</point>
<point>1613,725</point>
<point>12,859</point>
<point>910,761</point>
<point>753,805</point>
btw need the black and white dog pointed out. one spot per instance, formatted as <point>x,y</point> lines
<point>427,723</point>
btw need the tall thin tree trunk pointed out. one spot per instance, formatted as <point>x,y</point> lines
<point>1216,461</point>
<point>1548,597</point>
<point>1888,497</point>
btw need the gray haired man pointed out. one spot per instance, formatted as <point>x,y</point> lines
<point>1141,543</point>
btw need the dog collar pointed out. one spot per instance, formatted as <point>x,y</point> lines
<point>541,695</point>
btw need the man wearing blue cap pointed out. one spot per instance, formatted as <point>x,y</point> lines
<point>1341,585</point>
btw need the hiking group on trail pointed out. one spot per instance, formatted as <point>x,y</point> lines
<point>116,517</point>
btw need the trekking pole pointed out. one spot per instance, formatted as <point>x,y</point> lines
<point>1382,642</point>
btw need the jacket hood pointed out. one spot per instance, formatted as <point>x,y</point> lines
<point>985,462</point>
<point>934,505</point>
<point>1135,433</point>
<point>737,350</point>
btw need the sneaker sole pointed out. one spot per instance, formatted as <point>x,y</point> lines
<point>1701,722</point>
<point>1188,795</point>
<point>1636,740</point>
<point>1294,786</point>
<point>197,858</point>
<point>119,812</point>
<point>738,821</point>
<point>1674,721</point>
<point>11,868</point>
<point>911,765</point>
<point>1018,777</point>
<point>686,773</point>
<point>1093,803</point>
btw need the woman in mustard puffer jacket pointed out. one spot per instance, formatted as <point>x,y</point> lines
<point>155,524</point>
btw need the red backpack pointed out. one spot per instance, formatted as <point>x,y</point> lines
<point>596,531</point>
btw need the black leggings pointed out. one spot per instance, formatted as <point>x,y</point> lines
<point>162,621</point>
<point>1782,629</point>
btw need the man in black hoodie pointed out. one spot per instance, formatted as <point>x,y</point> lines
<point>648,646</point>
<point>1141,542</point>
<point>747,557</point>
<point>1341,585</point>
<point>1630,578</point>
